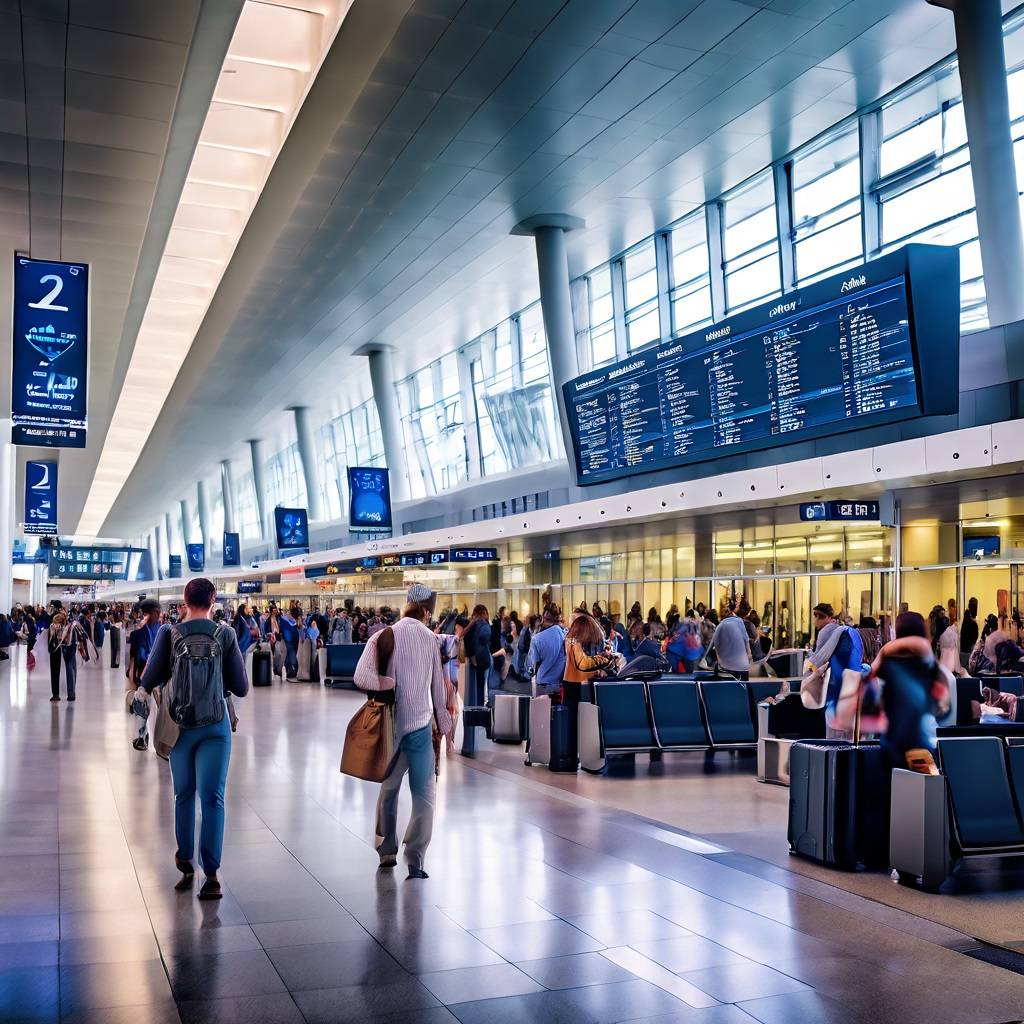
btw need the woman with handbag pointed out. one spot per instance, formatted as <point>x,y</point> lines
<point>585,660</point>
<point>412,669</point>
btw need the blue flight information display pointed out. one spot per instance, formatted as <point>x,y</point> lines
<point>292,527</point>
<point>50,357</point>
<point>804,365</point>
<point>370,498</point>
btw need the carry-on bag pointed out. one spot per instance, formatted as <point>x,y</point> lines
<point>473,717</point>
<point>591,742</point>
<point>262,667</point>
<point>508,714</point>
<point>839,803</point>
<point>538,749</point>
<point>562,757</point>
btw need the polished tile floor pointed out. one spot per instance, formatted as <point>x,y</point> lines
<point>543,905</point>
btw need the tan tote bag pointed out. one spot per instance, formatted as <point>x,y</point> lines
<point>369,749</point>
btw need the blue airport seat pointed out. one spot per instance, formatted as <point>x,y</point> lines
<point>341,663</point>
<point>983,807</point>
<point>1015,755</point>
<point>727,707</point>
<point>624,721</point>
<point>675,708</point>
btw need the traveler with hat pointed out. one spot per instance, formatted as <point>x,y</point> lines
<point>414,672</point>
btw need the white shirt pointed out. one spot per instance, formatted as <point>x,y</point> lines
<point>417,674</point>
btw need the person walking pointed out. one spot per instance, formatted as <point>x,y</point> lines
<point>115,626</point>
<point>199,658</point>
<point>63,639</point>
<point>416,676</point>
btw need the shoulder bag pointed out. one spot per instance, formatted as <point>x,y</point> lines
<point>369,749</point>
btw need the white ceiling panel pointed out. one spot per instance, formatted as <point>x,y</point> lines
<point>627,113</point>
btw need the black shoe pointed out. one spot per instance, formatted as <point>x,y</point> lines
<point>210,890</point>
<point>416,873</point>
<point>55,700</point>
<point>187,874</point>
<point>71,700</point>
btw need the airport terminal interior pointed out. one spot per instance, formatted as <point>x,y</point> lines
<point>512,511</point>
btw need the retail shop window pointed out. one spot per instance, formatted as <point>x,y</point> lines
<point>826,208</point>
<point>640,290</point>
<point>750,243</point>
<point>690,279</point>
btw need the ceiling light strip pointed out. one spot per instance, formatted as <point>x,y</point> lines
<point>275,54</point>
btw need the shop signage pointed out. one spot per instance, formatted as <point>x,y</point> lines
<point>846,511</point>
<point>41,497</point>
<point>50,356</point>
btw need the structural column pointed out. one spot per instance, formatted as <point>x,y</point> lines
<point>227,490</point>
<point>172,539</point>
<point>162,553</point>
<point>982,62</point>
<point>307,456</point>
<point>203,502</point>
<point>548,232</point>
<point>152,542</point>
<point>6,516</point>
<point>382,378</point>
<point>186,523</point>
<point>258,483</point>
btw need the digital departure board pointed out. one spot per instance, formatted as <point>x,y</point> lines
<point>837,355</point>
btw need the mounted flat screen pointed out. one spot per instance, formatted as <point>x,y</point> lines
<point>292,527</point>
<point>370,498</point>
<point>870,346</point>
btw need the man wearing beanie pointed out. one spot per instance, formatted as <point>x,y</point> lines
<point>414,672</point>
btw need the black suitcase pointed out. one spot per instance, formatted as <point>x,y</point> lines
<point>472,717</point>
<point>262,668</point>
<point>563,756</point>
<point>839,803</point>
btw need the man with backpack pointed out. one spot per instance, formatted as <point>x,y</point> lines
<point>198,663</point>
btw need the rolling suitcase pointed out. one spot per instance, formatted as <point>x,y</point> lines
<point>472,718</point>
<point>262,673</point>
<point>538,749</point>
<point>591,741</point>
<point>510,718</point>
<point>839,803</point>
<point>562,757</point>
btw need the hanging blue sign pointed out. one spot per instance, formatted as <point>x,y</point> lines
<point>292,530</point>
<point>840,511</point>
<point>50,358</point>
<point>41,497</point>
<point>369,498</point>
<point>232,550</point>
<point>174,566</point>
<point>196,557</point>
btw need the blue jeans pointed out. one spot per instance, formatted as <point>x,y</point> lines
<point>415,756</point>
<point>199,761</point>
<point>291,659</point>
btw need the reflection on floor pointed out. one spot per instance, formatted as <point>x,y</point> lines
<point>723,804</point>
<point>542,905</point>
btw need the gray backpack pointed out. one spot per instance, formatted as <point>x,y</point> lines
<point>196,690</point>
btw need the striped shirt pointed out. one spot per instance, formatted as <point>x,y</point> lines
<point>418,677</point>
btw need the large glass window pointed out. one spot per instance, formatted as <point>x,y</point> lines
<point>640,289</point>
<point>925,187</point>
<point>285,480</point>
<point>750,243</point>
<point>600,316</point>
<point>351,439</point>
<point>827,222</point>
<point>515,415</point>
<point>247,510</point>
<point>433,424</point>
<point>690,277</point>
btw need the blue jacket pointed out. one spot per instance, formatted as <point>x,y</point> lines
<point>546,660</point>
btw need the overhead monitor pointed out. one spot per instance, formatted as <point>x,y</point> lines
<point>369,498</point>
<point>870,346</point>
<point>292,526</point>
<point>978,547</point>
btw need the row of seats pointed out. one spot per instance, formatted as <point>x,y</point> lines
<point>678,712</point>
<point>341,665</point>
<point>985,783</point>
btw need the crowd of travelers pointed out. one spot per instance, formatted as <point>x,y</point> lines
<point>419,655</point>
